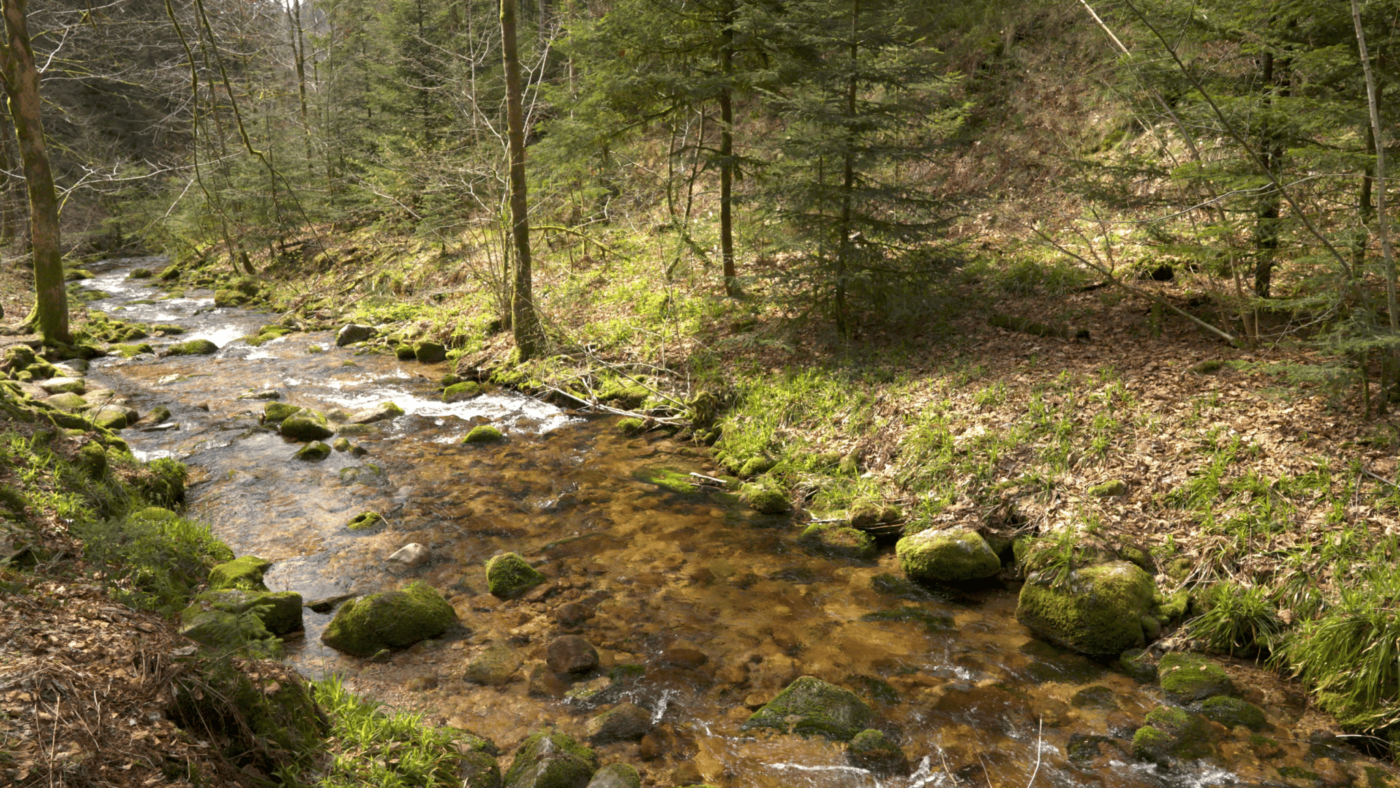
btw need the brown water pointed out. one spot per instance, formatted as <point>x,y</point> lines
<point>974,699</point>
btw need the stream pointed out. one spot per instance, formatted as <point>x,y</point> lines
<point>718,605</point>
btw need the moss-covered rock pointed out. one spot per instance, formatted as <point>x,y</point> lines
<point>341,444</point>
<point>193,347</point>
<point>1172,735</point>
<point>756,466</point>
<point>1187,678</point>
<point>616,775</point>
<point>484,433</point>
<point>352,333</point>
<point>67,401</point>
<point>365,521</point>
<point>495,666</point>
<point>458,392</point>
<point>305,425</point>
<point>276,412</point>
<point>954,555</point>
<point>838,540</point>
<point>810,706</point>
<point>404,353</point>
<point>279,611</point>
<point>225,631</point>
<point>132,350</point>
<point>244,573</point>
<point>430,352</point>
<point>390,619</point>
<point>508,575</point>
<point>550,759</point>
<point>92,457</point>
<point>162,481</point>
<point>875,752</point>
<point>1109,489</point>
<point>64,385</point>
<point>114,416</point>
<point>381,412</point>
<point>1137,664</point>
<point>1097,610</point>
<point>313,452</point>
<point>1233,711</point>
<point>229,297</point>
<point>765,500</point>
<point>632,426</point>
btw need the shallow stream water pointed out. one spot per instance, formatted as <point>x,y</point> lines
<point>973,697</point>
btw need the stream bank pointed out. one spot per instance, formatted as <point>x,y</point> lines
<point>700,610</point>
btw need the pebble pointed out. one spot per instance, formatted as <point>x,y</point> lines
<point>571,654</point>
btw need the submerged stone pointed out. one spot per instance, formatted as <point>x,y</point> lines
<point>873,751</point>
<point>623,722</point>
<point>390,619</point>
<point>410,556</point>
<point>952,556</point>
<point>571,654</point>
<point>766,500</point>
<point>550,759</point>
<point>838,540</point>
<point>494,666</point>
<point>1191,677</point>
<point>616,775</point>
<point>810,706</point>
<point>508,575</point>
<point>1231,712</point>
<point>1097,610</point>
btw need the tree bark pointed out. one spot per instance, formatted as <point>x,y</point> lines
<point>848,179</point>
<point>21,79</point>
<point>525,322</point>
<point>1277,80</point>
<point>1382,220</point>
<point>726,154</point>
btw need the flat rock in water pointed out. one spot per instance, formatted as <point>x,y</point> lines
<point>353,333</point>
<point>410,556</point>
<point>384,410</point>
<point>494,666</point>
<point>623,722</point>
<point>327,604</point>
<point>810,706</point>
<point>571,654</point>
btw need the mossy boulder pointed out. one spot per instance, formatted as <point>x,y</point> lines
<point>162,481</point>
<point>484,434</point>
<point>313,452</point>
<point>632,426</point>
<point>955,555</point>
<point>430,352</point>
<point>64,385</point>
<point>616,775</point>
<point>276,412</point>
<point>508,575</point>
<point>812,707</point>
<point>550,759</point>
<point>756,466</point>
<point>140,273</point>
<point>381,412</point>
<point>92,457</point>
<point>1096,610</point>
<point>305,425</point>
<point>225,631</point>
<point>68,401</point>
<point>765,500</point>
<point>114,416</point>
<point>875,752</point>
<point>457,392</point>
<point>1187,678</point>
<point>405,353</point>
<point>193,347</point>
<point>244,573</point>
<point>230,297</point>
<point>1231,712</point>
<point>479,770</point>
<point>390,619</point>
<point>279,611</point>
<point>132,350</point>
<point>1172,735</point>
<point>352,333</point>
<point>838,540</point>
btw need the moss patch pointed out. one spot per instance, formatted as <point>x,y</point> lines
<point>244,573</point>
<point>364,521</point>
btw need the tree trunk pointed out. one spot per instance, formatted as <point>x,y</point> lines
<point>8,209</point>
<point>22,87</point>
<point>848,181</point>
<point>1382,221</point>
<point>726,154</point>
<point>525,323</point>
<point>1277,81</point>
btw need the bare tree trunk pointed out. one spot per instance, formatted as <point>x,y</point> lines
<point>1277,81</point>
<point>848,182</point>
<point>8,219</point>
<point>22,86</point>
<point>529,340</point>
<point>1382,221</point>
<point>726,153</point>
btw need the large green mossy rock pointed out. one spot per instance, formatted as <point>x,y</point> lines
<point>305,425</point>
<point>225,631</point>
<point>313,452</point>
<point>616,775</point>
<point>67,401</point>
<point>390,619</point>
<point>1097,610</point>
<point>1172,735</point>
<point>549,759</point>
<point>956,555</point>
<point>244,573</point>
<point>1187,678</point>
<point>838,540</point>
<point>765,500</point>
<point>194,347</point>
<point>812,707</point>
<point>484,434</point>
<point>458,392</point>
<point>430,352</point>
<point>508,575</point>
<point>279,611</point>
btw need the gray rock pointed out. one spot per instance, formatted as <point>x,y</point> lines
<point>63,385</point>
<point>382,411</point>
<point>350,334</point>
<point>616,775</point>
<point>410,556</point>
